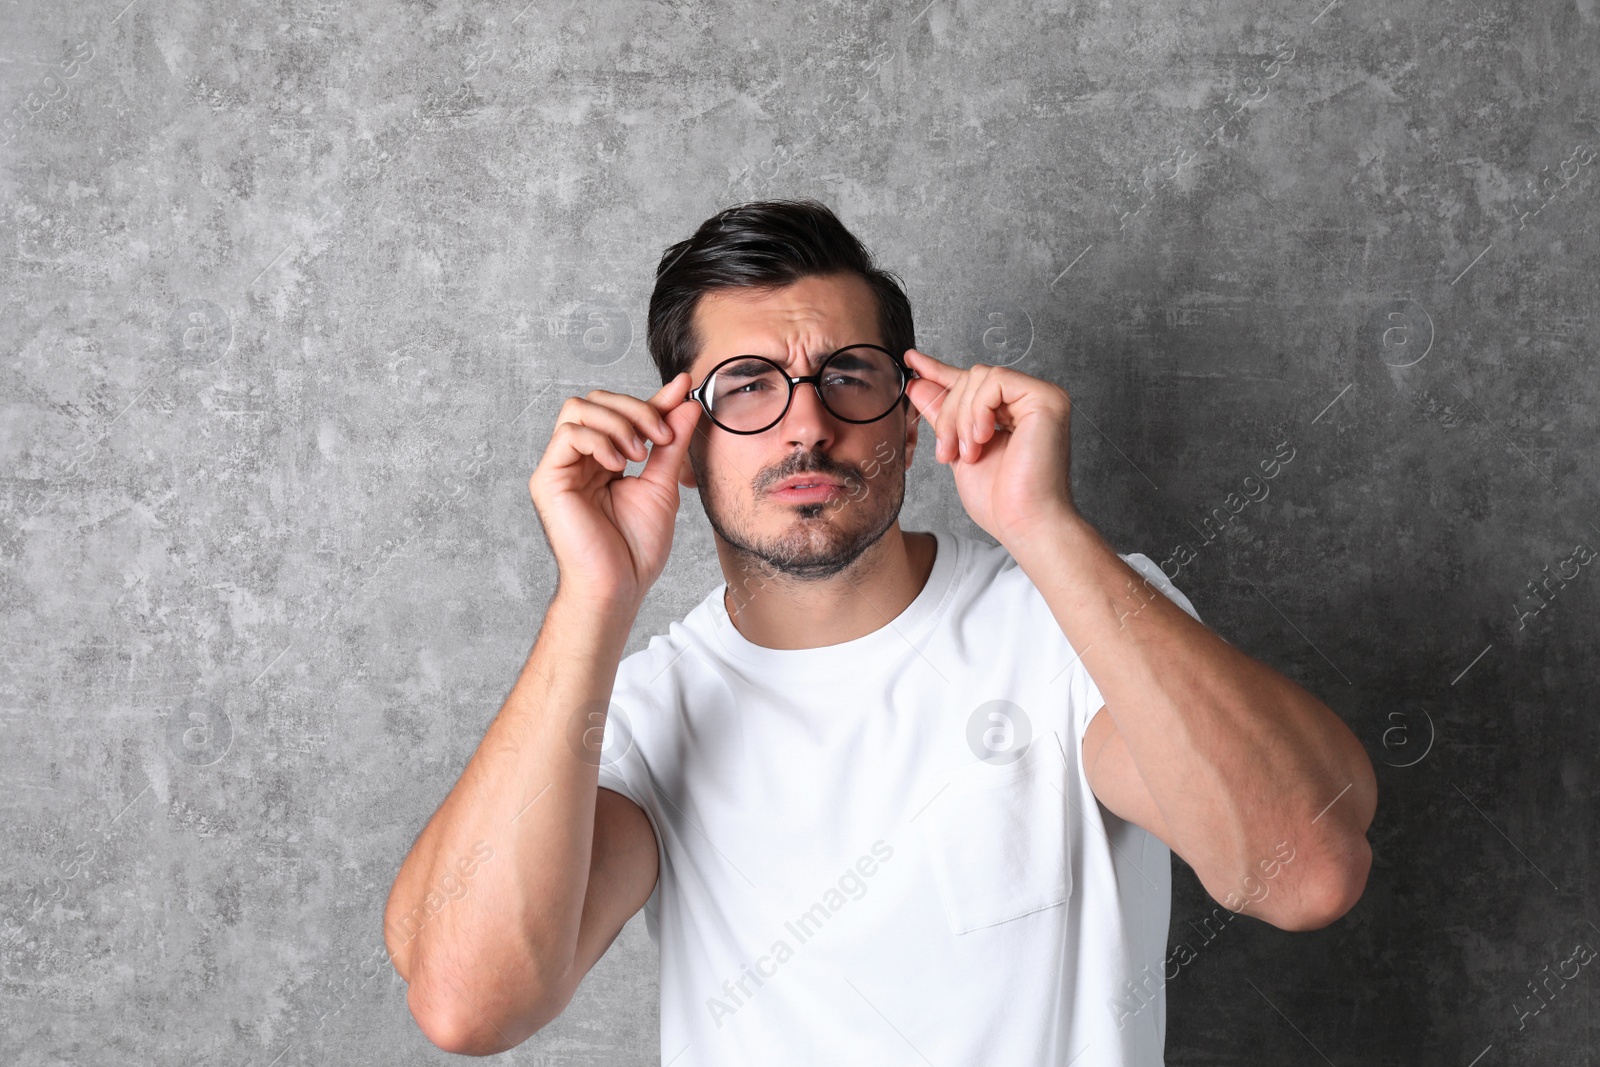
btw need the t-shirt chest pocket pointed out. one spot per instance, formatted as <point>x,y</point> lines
<point>998,837</point>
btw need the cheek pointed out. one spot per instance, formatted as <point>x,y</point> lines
<point>727,470</point>
<point>696,463</point>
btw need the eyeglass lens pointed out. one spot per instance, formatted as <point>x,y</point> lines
<point>860,384</point>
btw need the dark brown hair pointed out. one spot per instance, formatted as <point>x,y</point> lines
<point>763,244</point>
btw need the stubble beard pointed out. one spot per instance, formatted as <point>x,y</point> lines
<point>818,541</point>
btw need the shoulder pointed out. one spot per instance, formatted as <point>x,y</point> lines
<point>985,563</point>
<point>654,680</point>
<point>647,703</point>
<point>993,571</point>
<point>646,671</point>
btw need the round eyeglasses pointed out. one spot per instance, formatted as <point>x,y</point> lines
<point>749,394</point>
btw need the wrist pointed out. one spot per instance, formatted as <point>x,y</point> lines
<point>1061,530</point>
<point>595,602</point>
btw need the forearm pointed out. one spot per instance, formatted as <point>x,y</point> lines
<point>1236,756</point>
<point>502,946</point>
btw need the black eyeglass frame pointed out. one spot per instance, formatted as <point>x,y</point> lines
<point>697,394</point>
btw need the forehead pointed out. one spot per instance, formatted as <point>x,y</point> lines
<point>805,320</point>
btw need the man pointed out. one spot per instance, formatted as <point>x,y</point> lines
<point>868,791</point>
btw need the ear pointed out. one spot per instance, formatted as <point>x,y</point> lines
<point>914,420</point>
<point>686,471</point>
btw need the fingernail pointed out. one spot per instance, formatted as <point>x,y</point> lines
<point>638,443</point>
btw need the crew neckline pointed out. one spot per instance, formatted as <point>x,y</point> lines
<point>908,626</point>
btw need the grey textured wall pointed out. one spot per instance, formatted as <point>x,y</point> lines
<point>292,293</point>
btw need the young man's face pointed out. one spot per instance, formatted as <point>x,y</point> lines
<point>797,327</point>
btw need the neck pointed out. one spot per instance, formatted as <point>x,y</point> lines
<point>782,612</point>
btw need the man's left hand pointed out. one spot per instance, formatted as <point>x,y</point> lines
<point>1005,436</point>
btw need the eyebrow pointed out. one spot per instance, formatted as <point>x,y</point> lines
<point>811,362</point>
<point>740,371</point>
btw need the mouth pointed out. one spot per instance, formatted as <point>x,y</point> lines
<point>806,488</point>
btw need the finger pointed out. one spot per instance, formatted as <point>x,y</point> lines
<point>983,411</point>
<point>961,413</point>
<point>995,392</point>
<point>1007,389</point>
<point>682,421</point>
<point>933,379</point>
<point>941,407</point>
<point>629,420</point>
<point>643,417</point>
<point>1000,389</point>
<point>932,369</point>
<point>931,386</point>
<point>577,440</point>
<point>945,428</point>
<point>967,414</point>
<point>599,415</point>
<point>926,399</point>
<point>670,396</point>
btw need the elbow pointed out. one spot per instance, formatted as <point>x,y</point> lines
<point>464,1041</point>
<point>468,997</point>
<point>446,1029</point>
<point>453,1025</point>
<point>484,1023</point>
<point>1337,890</point>
<point>1339,879</point>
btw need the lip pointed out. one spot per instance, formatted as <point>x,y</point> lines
<point>822,490</point>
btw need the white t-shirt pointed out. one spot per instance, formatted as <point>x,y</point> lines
<point>843,880</point>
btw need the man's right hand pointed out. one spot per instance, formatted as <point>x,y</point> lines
<point>611,534</point>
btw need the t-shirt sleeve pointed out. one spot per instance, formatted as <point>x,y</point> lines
<point>617,782</point>
<point>622,772</point>
<point>622,764</point>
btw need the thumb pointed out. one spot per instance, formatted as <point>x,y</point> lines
<point>661,466</point>
<point>927,398</point>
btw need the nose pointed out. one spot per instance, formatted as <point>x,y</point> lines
<point>807,423</point>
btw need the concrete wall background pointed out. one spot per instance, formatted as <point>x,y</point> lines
<point>292,293</point>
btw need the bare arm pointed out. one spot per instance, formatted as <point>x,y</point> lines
<point>528,870</point>
<point>1217,754</point>
<point>1237,768</point>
